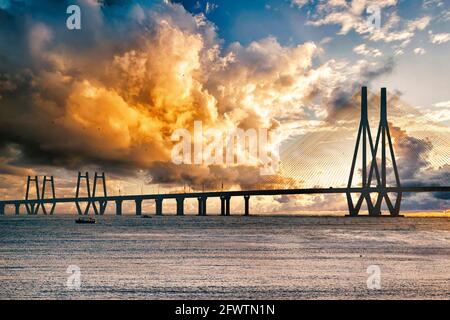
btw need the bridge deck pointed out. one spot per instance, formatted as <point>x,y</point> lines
<point>218,194</point>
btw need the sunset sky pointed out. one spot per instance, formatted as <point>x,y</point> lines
<point>108,97</point>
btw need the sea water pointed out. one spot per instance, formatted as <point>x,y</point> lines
<point>236,257</point>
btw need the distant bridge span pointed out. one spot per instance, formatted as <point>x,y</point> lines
<point>369,168</point>
<point>225,197</point>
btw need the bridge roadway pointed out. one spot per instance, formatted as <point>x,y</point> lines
<point>223,195</point>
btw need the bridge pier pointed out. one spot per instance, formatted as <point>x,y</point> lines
<point>2,209</point>
<point>103,205</point>
<point>227,205</point>
<point>86,210</point>
<point>247,205</point>
<point>119,207</point>
<point>180,206</point>
<point>17,206</point>
<point>159,203</point>
<point>202,206</point>
<point>138,207</point>
<point>199,206</point>
<point>32,208</point>
<point>52,208</point>
<point>222,205</point>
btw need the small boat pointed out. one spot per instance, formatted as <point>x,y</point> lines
<point>85,220</point>
<point>146,216</point>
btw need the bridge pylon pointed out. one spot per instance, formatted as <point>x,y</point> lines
<point>33,205</point>
<point>374,171</point>
<point>364,142</point>
<point>51,180</point>
<point>102,204</point>
<point>91,195</point>
<point>384,137</point>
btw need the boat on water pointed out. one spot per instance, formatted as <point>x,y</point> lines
<point>86,220</point>
<point>146,216</point>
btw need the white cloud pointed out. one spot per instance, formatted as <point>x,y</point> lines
<point>405,34</point>
<point>420,51</point>
<point>210,7</point>
<point>299,3</point>
<point>439,38</point>
<point>439,112</point>
<point>365,51</point>
<point>353,15</point>
<point>420,23</point>
<point>445,16</point>
<point>431,3</point>
<point>444,104</point>
<point>326,40</point>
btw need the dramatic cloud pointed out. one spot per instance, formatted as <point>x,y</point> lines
<point>110,96</point>
<point>113,93</point>
<point>411,152</point>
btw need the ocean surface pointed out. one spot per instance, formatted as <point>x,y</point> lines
<point>216,257</point>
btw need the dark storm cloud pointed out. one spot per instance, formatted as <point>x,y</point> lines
<point>211,177</point>
<point>41,61</point>
<point>412,154</point>
<point>341,96</point>
<point>413,159</point>
<point>70,99</point>
<point>111,94</point>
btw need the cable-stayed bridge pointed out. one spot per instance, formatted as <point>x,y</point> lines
<point>372,149</point>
